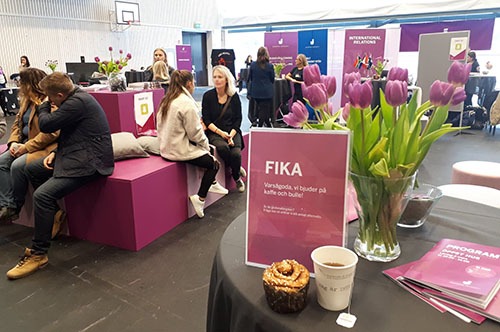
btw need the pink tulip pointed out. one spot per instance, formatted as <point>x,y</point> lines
<point>398,74</point>
<point>440,93</point>
<point>360,95</point>
<point>330,108</point>
<point>346,110</point>
<point>117,62</point>
<point>97,59</point>
<point>298,116</point>
<point>396,93</point>
<point>330,83</point>
<point>129,56</point>
<point>121,51</point>
<point>458,96</point>
<point>458,74</point>
<point>312,75</point>
<point>120,67</point>
<point>349,79</point>
<point>317,95</point>
<point>110,49</point>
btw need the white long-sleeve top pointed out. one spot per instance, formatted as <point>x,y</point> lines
<point>181,136</point>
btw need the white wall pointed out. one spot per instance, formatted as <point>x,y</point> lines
<point>63,30</point>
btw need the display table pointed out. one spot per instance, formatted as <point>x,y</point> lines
<point>282,93</point>
<point>119,108</point>
<point>237,302</point>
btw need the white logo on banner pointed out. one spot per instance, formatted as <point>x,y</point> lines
<point>143,107</point>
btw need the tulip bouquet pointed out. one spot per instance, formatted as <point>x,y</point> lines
<point>113,66</point>
<point>52,64</point>
<point>388,144</point>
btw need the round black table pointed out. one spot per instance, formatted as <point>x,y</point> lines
<point>282,93</point>
<point>135,76</point>
<point>237,302</point>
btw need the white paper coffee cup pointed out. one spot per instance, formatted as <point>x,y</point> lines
<point>334,283</point>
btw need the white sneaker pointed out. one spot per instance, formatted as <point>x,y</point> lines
<point>218,189</point>
<point>197,205</point>
<point>240,185</point>
<point>243,173</point>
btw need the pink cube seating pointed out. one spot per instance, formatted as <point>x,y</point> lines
<point>119,108</point>
<point>143,199</point>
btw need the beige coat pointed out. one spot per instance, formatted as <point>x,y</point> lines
<point>39,144</point>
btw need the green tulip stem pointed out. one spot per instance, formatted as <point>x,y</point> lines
<point>362,138</point>
<point>394,115</point>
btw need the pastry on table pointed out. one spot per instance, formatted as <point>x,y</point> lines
<point>286,284</point>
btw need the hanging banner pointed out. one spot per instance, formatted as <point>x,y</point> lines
<point>363,48</point>
<point>458,48</point>
<point>296,196</point>
<point>314,45</point>
<point>183,54</point>
<point>144,113</point>
<point>282,48</point>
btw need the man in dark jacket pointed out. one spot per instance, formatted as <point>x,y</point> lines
<point>84,153</point>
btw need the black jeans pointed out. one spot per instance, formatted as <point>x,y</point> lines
<point>48,190</point>
<point>264,109</point>
<point>230,154</point>
<point>212,167</point>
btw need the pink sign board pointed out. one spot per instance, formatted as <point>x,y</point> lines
<point>297,194</point>
<point>363,48</point>
<point>282,48</point>
<point>183,55</point>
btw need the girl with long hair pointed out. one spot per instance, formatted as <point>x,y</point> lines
<point>182,138</point>
<point>158,55</point>
<point>262,77</point>
<point>26,144</point>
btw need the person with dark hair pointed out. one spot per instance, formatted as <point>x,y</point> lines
<point>221,109</point>
<point>25,63</point>
<point>84,154</point>
<point>471,58</point>
<point>262,77</point>
<point>182,138</point>
<point>296,76</point>
<point>158,55</point>
<point>470,88</point>
<point>26,144</point>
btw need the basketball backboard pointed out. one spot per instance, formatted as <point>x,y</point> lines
<point>127,13</point>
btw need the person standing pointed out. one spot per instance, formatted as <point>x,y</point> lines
<point>84,154</point>
<point>158,55</point>
<point>221,109</point>
<point>296,76</point>
<point>470,89</point>
<point>262,77</point>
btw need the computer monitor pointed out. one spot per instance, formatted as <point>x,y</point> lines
<point>81,72</point>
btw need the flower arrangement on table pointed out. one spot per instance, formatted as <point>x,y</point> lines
<point>278,67</point>
<point>52,64</point>
<point>388,144</point>
<point>379,68</point>
<point>112,69</point>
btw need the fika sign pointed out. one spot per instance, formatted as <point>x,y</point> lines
<point>296,193</point>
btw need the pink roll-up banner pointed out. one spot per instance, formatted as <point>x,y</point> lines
<point>296,194</point>
<point>183,55</point>
<point>282,48</point>
<point>363,47</point>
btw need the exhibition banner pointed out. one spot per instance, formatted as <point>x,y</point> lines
<point>363,48</point>
<point>481,33</point>
<point>183,55</point>
<point>458,48</point>
<point>144,113</point>
<point>314,45</point>
<point>282,47</point>
<point>296,194</point>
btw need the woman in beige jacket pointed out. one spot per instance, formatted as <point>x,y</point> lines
<point>182,138</point>
<point>26,144</point>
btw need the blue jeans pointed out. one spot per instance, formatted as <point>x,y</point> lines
<point>13,180</point>
<point>48,190</point>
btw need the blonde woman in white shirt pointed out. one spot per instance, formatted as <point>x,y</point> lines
<point>182,138</point>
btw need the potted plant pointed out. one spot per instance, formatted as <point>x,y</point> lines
<point>388,144</point>
<point>52,64</point>
<point>112,69</point>
<point>278,67</point>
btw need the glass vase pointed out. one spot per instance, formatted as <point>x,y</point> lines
<point>381,201</point>
<point>117,81</point>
